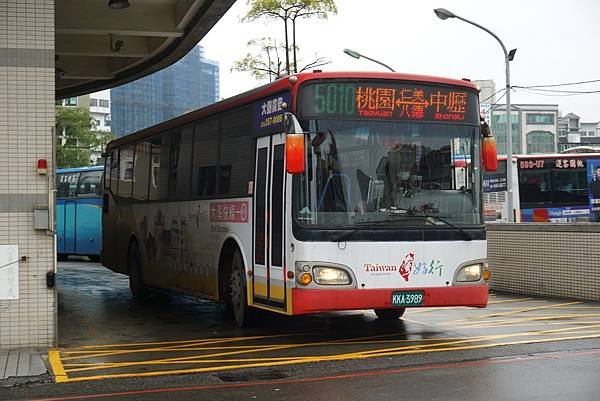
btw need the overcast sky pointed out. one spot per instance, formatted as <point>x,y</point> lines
<point>557,42</point>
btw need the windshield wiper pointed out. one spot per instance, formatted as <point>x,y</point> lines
<point>399,217</point>
<point>364,225</point>
<point>466,235</point>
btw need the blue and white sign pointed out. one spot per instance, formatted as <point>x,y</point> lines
<point>269,113</point>
<point>593,176</point>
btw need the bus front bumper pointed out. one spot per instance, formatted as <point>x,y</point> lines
<point>313,301</point>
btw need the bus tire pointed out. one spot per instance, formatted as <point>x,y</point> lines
<point>243,314</point>
<point>61,257</point>
<point>94,258</point>
<point>134,267</point>
<point>390,314</point>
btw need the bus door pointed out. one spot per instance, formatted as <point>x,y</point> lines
<point>268,276</point>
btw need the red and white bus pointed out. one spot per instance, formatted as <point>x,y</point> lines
<point>318,192</point>
<point>547,188</point>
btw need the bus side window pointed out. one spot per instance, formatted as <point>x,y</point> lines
<point>66,185</point>
<point>107,165</point>
<point>569,186</point>
<point>534,187</point>
<point>236,153</point>
<point>159,168</point>
<point>204,163</point>
<point>181,164</point>
<point>114,172</point>
<point>89,184</point>
<point>141,170</point>
<point>125,172</point>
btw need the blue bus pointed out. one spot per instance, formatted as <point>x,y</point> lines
<point>79,212</point>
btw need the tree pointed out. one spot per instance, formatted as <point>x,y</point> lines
<point>76,137</point>
<point>289,11</point>
<point>266,61</point>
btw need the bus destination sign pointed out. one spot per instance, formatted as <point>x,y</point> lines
<point>556,163</point>
<point>394,101</point>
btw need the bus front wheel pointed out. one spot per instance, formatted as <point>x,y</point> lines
<point>242,313</point>
<point>390,314</point>
<point>136,282</point>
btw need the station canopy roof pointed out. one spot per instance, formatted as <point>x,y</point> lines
<point>99,45</point>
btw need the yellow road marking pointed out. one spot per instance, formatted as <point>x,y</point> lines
<point>182,347</point>
<point>206,358</point>
<point>232,356</point>
<point>60,376</point>
<point>180,342</point>
<point>508,300</point>
<point>319,359</point>
<point>514,312</point>
<point>474,325</point>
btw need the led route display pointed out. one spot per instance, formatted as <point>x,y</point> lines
<point>388,100</point>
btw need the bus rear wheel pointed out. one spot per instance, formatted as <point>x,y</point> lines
<point>390,314</point>
<point>136,282</point>
<point>243,314</point>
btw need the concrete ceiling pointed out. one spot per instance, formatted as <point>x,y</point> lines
<point>98,47</point>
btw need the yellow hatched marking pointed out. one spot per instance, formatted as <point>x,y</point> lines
<point>514,312</point>
<point>183,347</point>
<point>298,360</point>
<point>492,323</point>
<point>384,351</point>
<point>58,370</point>
<point>104,365</point>
<point>504,301</point>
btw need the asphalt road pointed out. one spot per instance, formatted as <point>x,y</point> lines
<point>519,348</point>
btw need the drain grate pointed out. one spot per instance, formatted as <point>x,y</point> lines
<point>252,376</point>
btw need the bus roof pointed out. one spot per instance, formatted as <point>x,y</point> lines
<point>278,86</point>
<point>78,169</point>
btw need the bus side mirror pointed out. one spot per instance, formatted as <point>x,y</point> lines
<point>489,156</point>
<point>294,145</point>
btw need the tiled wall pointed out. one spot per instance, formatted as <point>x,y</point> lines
<point>555,260</point>
<point>26,122</point>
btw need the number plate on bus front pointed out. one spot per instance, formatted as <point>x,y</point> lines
<point>407,298</point>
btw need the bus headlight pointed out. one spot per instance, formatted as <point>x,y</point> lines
<point>331,276</point>
<point>469,273</point>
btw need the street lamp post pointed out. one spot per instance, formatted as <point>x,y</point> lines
<point>357,55</point>
<point>443,14</point>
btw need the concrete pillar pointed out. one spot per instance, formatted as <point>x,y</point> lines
<point>26,129</point>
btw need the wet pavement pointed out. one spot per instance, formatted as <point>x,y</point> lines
<point>105,334</point>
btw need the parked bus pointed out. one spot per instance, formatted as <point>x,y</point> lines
<point>553,188</point>
<point>78,212</point>
<point>317,192</point>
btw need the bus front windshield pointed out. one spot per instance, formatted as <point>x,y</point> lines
<point>388,173</point>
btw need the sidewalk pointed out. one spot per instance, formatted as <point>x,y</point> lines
<point>20,364</point>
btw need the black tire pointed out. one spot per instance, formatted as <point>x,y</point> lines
<point>134,265</point>
<point>61,257</point>
<point>94,258</point>
<point>243,314</point>
<point>390,314</point>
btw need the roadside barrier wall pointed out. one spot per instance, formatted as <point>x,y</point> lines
<point>553,260</point>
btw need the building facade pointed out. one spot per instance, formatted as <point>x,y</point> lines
<point>98,104</point>
<point>534,128</point>
<point>189,84</point>
<point>572,133</point>
<point>27,242</point>
<point>100,110</point>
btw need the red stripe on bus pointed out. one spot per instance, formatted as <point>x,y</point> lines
<point>312,301</point>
